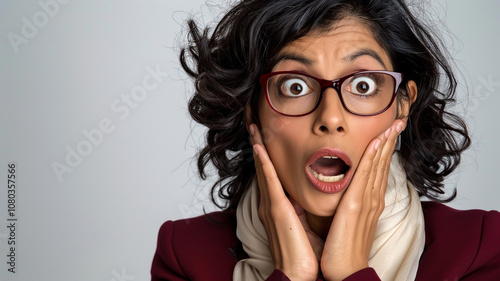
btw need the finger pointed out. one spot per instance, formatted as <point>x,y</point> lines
<point>371,200</point>
<point>268,176</point>
<point>378,164</point>
<point>371,186</point>
<point>261,157</point>
<point>262,177</point>
<point>359,184</point>
<point>255,136</point>
<point>381,175</point>
<point>386,157</point>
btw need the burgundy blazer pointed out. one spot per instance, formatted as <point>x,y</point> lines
<point>459,245</point>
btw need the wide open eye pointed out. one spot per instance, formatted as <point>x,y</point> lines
<point>362,85</point>
<point>294,87</point>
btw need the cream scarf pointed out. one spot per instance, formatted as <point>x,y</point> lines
<point>399,238</point>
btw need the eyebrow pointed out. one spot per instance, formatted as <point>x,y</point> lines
<point>364,52</point>
<point>293,56</point>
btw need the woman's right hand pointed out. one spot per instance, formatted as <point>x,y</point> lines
<point>290,240</point>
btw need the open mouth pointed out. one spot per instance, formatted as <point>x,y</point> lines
<point>329,169</point>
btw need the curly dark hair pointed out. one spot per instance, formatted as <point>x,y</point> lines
<point>226,64</point>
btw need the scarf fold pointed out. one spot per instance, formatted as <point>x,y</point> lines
<point>398,244</point>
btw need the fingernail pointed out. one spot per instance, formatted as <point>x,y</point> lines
<point>255,150</point>
<point>252,130</point>
<point>399,127</point>
<point>377,144</point>
<point>388,132</point>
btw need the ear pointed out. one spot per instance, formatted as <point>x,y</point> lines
<point>404,106</point>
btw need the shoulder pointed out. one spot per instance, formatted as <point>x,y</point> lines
<point>438,215</point>
<point>441,220</point>
<point>200,248</point>
<point>460,243</point>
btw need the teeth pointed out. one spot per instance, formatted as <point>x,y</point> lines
<point>330,157</point>
<point>326,178</point>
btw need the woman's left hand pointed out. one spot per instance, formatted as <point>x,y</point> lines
<point>352,231</point>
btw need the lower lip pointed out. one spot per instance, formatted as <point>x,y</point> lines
<point>329,187</point>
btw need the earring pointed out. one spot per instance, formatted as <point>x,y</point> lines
<point>398,144</point>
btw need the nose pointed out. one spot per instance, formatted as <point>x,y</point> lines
<point>330,114</point>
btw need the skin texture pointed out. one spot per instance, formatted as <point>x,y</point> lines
<point>312,232</point>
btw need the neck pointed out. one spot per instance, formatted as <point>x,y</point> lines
<point>320,225</point>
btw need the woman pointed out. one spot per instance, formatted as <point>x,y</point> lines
<point>326,123</point>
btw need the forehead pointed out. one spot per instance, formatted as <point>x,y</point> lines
<point>345,42</point>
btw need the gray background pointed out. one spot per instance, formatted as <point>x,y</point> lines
<point>74,71</point>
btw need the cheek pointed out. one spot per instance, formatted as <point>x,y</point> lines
<point>275,129</point>
<point>365,129</point>
<point>273,126</point>
<point>284,138</point>
<point>281,139</point>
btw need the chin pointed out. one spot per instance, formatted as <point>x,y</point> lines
<point>324,207</point>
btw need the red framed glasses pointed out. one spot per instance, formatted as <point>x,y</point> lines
<point>364,93</point>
